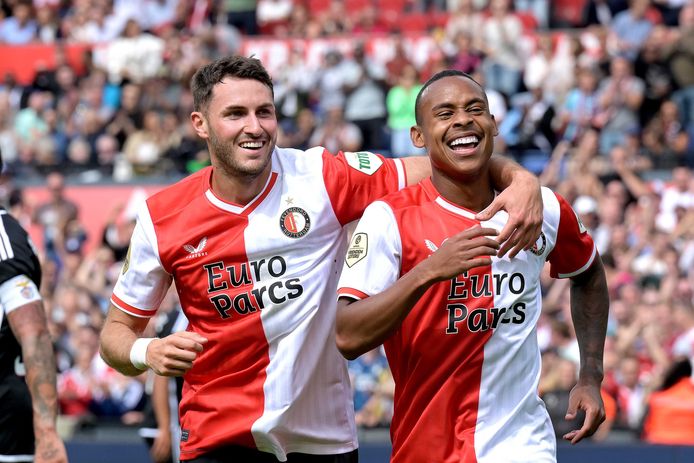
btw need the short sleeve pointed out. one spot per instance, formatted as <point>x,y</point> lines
<point>574,250</point>
<point>355,180</point>
<point>143,282</point>
<point>372,262</point>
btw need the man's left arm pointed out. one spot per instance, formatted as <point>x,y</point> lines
<point>29,326</point>
<point>589,312</point>
<point>519,196</point>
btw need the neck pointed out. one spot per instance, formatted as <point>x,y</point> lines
<point>474,192</point>
<point>238,189</point>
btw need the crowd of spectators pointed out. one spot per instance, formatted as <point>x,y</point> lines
<point>600,105</point>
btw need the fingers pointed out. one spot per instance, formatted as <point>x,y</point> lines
<point>174,355</point>
<point>518,235</point>
<point>188,340</point>
<point>490,210</point>
<point>594,417</point>
<point>477,231</point>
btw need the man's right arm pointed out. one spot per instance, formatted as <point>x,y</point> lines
<point>118,335</point>
<point>169,356</point>
<point>366,323</point>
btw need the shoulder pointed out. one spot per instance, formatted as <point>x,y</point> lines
<point>407,198</point>
<point>177,196</point>
<point>13,236</point>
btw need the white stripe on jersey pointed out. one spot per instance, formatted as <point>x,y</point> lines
<point>6,251</point>
<point>303,398</point>
<point>402,178</point>
<point>505,406</point>
<point>17,292</point>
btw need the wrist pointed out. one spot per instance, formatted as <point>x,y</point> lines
<point>138,353</point>
<point>424,275</point>
<point>592,376</point>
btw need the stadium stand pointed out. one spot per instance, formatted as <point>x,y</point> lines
<point>98,93</point>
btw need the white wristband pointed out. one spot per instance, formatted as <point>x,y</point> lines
<point>138,353</point>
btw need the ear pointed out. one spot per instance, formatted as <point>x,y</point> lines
<point>417,136</point>
<point>199,124</point>
<point>496,127</point>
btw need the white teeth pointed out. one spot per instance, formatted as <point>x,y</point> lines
<point>252,144</point>
<point>465,140</point>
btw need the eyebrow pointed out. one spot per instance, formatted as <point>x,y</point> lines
<point>234,107</point>
<point>447,105</point>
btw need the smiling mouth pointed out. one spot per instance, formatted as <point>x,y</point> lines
<point>465,143</point>
<point>252,145</point>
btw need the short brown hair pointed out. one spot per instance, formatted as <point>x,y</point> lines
<point>211,74</point>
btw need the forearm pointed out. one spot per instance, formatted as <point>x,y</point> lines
<point>363,325</point>
<point>417,168</point>
<point>117,338</point>
<point>589,312</point>
<point>39,361</point>
<point>160,402</point>
<point>505,171</point>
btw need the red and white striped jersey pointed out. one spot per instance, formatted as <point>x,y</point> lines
<point>465,360</point>
<point>259,282</point>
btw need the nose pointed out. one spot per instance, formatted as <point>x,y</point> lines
<point>252,126</point>
<point>462,118</point>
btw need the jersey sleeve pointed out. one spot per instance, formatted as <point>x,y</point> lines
<point>574,250</point>
<point>372,262</point>
<point>17,292</point>
<point>20,272</point>
<point>355,180</point>
<point>143,282</point>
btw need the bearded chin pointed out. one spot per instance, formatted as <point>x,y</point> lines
<point>229,164</point>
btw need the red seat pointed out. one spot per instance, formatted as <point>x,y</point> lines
<point>568,11</point>
<point>353,6</point>
<point>317,6</point>
<point>413,22</point>
<point>440,19</point>
<point>528,20</point>
<point>396,5</point>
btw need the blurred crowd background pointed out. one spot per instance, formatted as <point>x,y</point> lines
<point>595,96</point>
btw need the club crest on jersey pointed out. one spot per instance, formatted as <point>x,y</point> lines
<point>363,161</point>
<point>25,291</point>
<point>196,251</point>
<point>358,248</point>
<point>295,222</point>
<point>540,245</point>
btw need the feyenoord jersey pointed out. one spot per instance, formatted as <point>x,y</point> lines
<point>465,360</point>
<point>259,282</point>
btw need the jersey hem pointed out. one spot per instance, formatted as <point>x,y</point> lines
<point>315,449</point>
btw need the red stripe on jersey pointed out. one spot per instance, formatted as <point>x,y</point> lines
<point>574,248</point>
<point>257,201</point>
<point>204,248</point>
<point>437,354</point>
<point>134,311</point>
<point>351,190</point>
<point>351,293</point>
